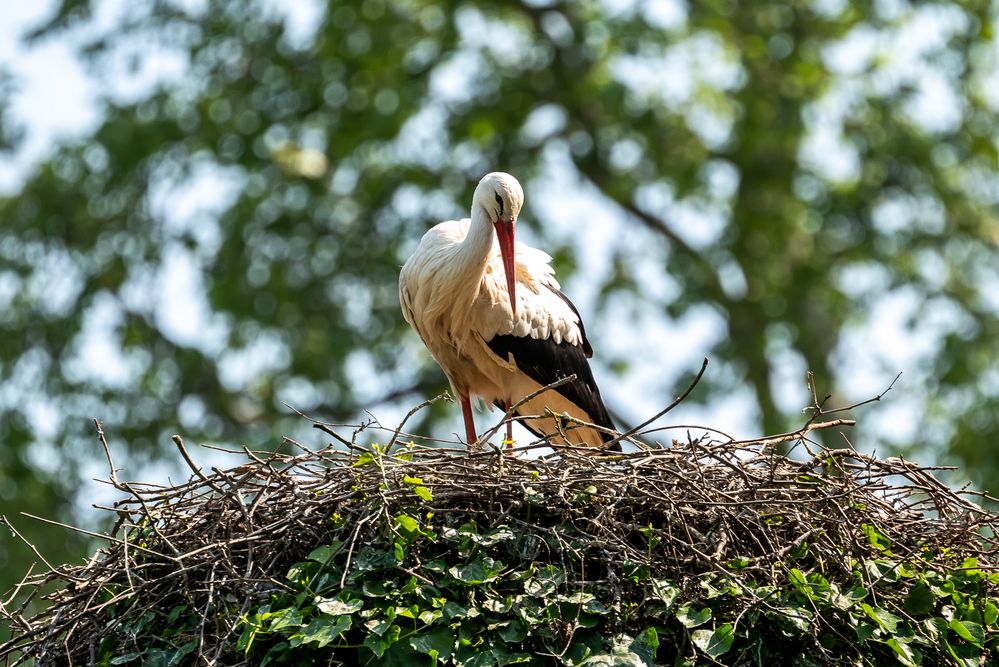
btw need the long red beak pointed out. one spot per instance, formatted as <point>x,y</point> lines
<point>504,233</point>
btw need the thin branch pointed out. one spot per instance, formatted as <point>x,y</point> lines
<point>796,435</point>
<point>113,475</point>
<point>402,424</point>
<point>679,399</point>
<point>38,554</point>
<point>177,440</point>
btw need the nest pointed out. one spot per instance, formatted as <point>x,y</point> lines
<point>222,543</point>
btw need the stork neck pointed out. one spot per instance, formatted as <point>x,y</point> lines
<point>478,242</point>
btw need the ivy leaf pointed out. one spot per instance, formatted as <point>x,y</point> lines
<point>481,570</point>
<point>496,536</point>
<point>969,632</point>
<point>885,619</point>
<point>407,523</point>
<point>645,645</point>
<point>691,619</point>
<point>865,631</point>
<point>920,600</point>
<point>882,570</point>
<point>325,553</point>
<point>848,599</point>
<point>906,654</point>
<point>285,618</point>
<point>665,591</point>
<point>716,643</point>
<point>514,631</point>
<point>364,459</point>
<point>439,644</point>
<point>335,607</point>
<point>990,614</point>
<point>175,614</point>
<point>379,643</point>
<point>877,539</point>
<point>416,483</point>
<point>322,631</point>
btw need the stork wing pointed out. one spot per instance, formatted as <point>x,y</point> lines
<point>549,358</point>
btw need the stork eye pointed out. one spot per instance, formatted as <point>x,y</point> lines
<point>499,200</point>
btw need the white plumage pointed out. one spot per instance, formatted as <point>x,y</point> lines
<point>458,293</point>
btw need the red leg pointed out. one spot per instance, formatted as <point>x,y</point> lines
<point>466,412</point>
<point>509,426</point>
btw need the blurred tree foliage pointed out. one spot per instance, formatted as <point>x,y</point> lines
<point>784,164</point>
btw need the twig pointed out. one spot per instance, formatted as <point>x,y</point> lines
<point>91,533</point>
<point>796,435</point>
<point>398,430</point>
<point>177,440</point>
<point>38,554</point>
<point>113,474</point>
<point>679,399</point>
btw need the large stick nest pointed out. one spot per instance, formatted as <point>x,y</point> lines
<point>222,543</point>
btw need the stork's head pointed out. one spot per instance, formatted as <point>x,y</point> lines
<point>501,197</point>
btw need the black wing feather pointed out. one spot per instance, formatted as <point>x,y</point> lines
<point>545,362</point>
<point>587,350</point>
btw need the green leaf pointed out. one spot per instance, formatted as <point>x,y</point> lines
<point>285,618</point>
<point>794,619</point>
<point>545,582</point>
<point>885,619</point>
<point>336,607</point>
<point>378,644</point>
<point>645,645</point>
<point>322,631</point>
<point>364,459</point>
<point>907,655</point>
<point>716,643</point>
<point>882,570</point>
<point>877,539</point>
<point>496,536</point>
<point>407,523</point>
<point>692,619</point>
<point>845,600</point>
<point>181,652</point>
<point>417,485</point>
<point>515,631</point>
<point>439,644</point>
<point>864,631</point>
<point>324,554</point>
<point>453,610</point>
<point>482,570</point>
<point>990,613</point>
<point>814,586</point>
<point>738,563</point>
<point>969,632</point>
<point>920,600</point>
<point>665,591</point>
<point>175,614</point>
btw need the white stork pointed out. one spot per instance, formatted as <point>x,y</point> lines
<point>490,311</point>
